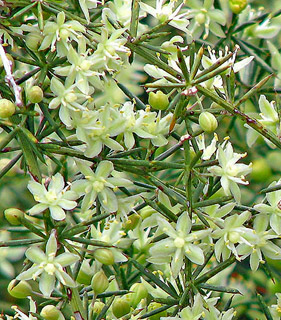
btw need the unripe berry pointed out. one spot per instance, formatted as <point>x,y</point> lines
<point>7,108</point>
<point>158,100</point>
<point>21,290</point>
<point>50,312</point>
<point>35,94</point>
<point>208,122</point>
<point>157,316</point>
<point>237,6</point>
<point>13,216</point>
<point>139,292</point>
<point>120,307</point>
<point>33,41</point>
<point>99,282</point>
<point>104,256</point>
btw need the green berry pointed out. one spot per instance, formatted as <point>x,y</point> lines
<point>237,6</point>
<point>104,256</point>
<point>21,290</point>
<point>7,108</point>
<point>208,122</point>
<point>13,216</point>
<point>35,94</point>
<point>154,306</point>
<point>50,312</point>
<point>138,292</point>
<point>99,282</point>
<point>120,307</point>
<point>158,100</point>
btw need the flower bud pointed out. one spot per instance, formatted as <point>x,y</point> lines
<point>208,122</point>
<point>13,216</point>
<point>99,282</point>
<point>104,256</point>
<point>157,316</point>
<point>132,222</point>
<point>120,307</point>
<point>158,100</point>
<point>237,6</point>
<point>139,292</point>
<point>33,41</point>
<point>50,312</point>
<point>7,108</point>
<point>35,94</point>
<point>21,290</point>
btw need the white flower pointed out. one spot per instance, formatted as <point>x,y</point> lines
<point>275,309</point>
<point>165,11</point>
<point>231,173</point>
<point>269,119</point>
<point>57,198</point>
<point>58,34</point>
<point>180,243</point>
<point>210,149</point>
<point>97,128</point>
<point>272,212</point>
<point>109,50</point>
<point>67,98</point>
<point>99,185</point>
<point>22,316</point>
<point>80,68</point>
<point>48,266</point>
<point>259,245</point>
<point>231,233</point>
<point>205,17</point>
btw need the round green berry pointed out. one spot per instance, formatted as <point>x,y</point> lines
<point>7,108</point>
<point>120,307</point>
<point>35,94</point>
<point>99,282</point>
<point>208,122</point>
<point>104,256</point>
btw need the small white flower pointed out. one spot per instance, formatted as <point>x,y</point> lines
<point>179,244</point>
<point>48,266</point>
<point>99,185</point>
<point>57,198</point>
<point>231,173</point>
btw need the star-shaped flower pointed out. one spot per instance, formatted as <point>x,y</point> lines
<point>48,266</point>
<point>57,198</point>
